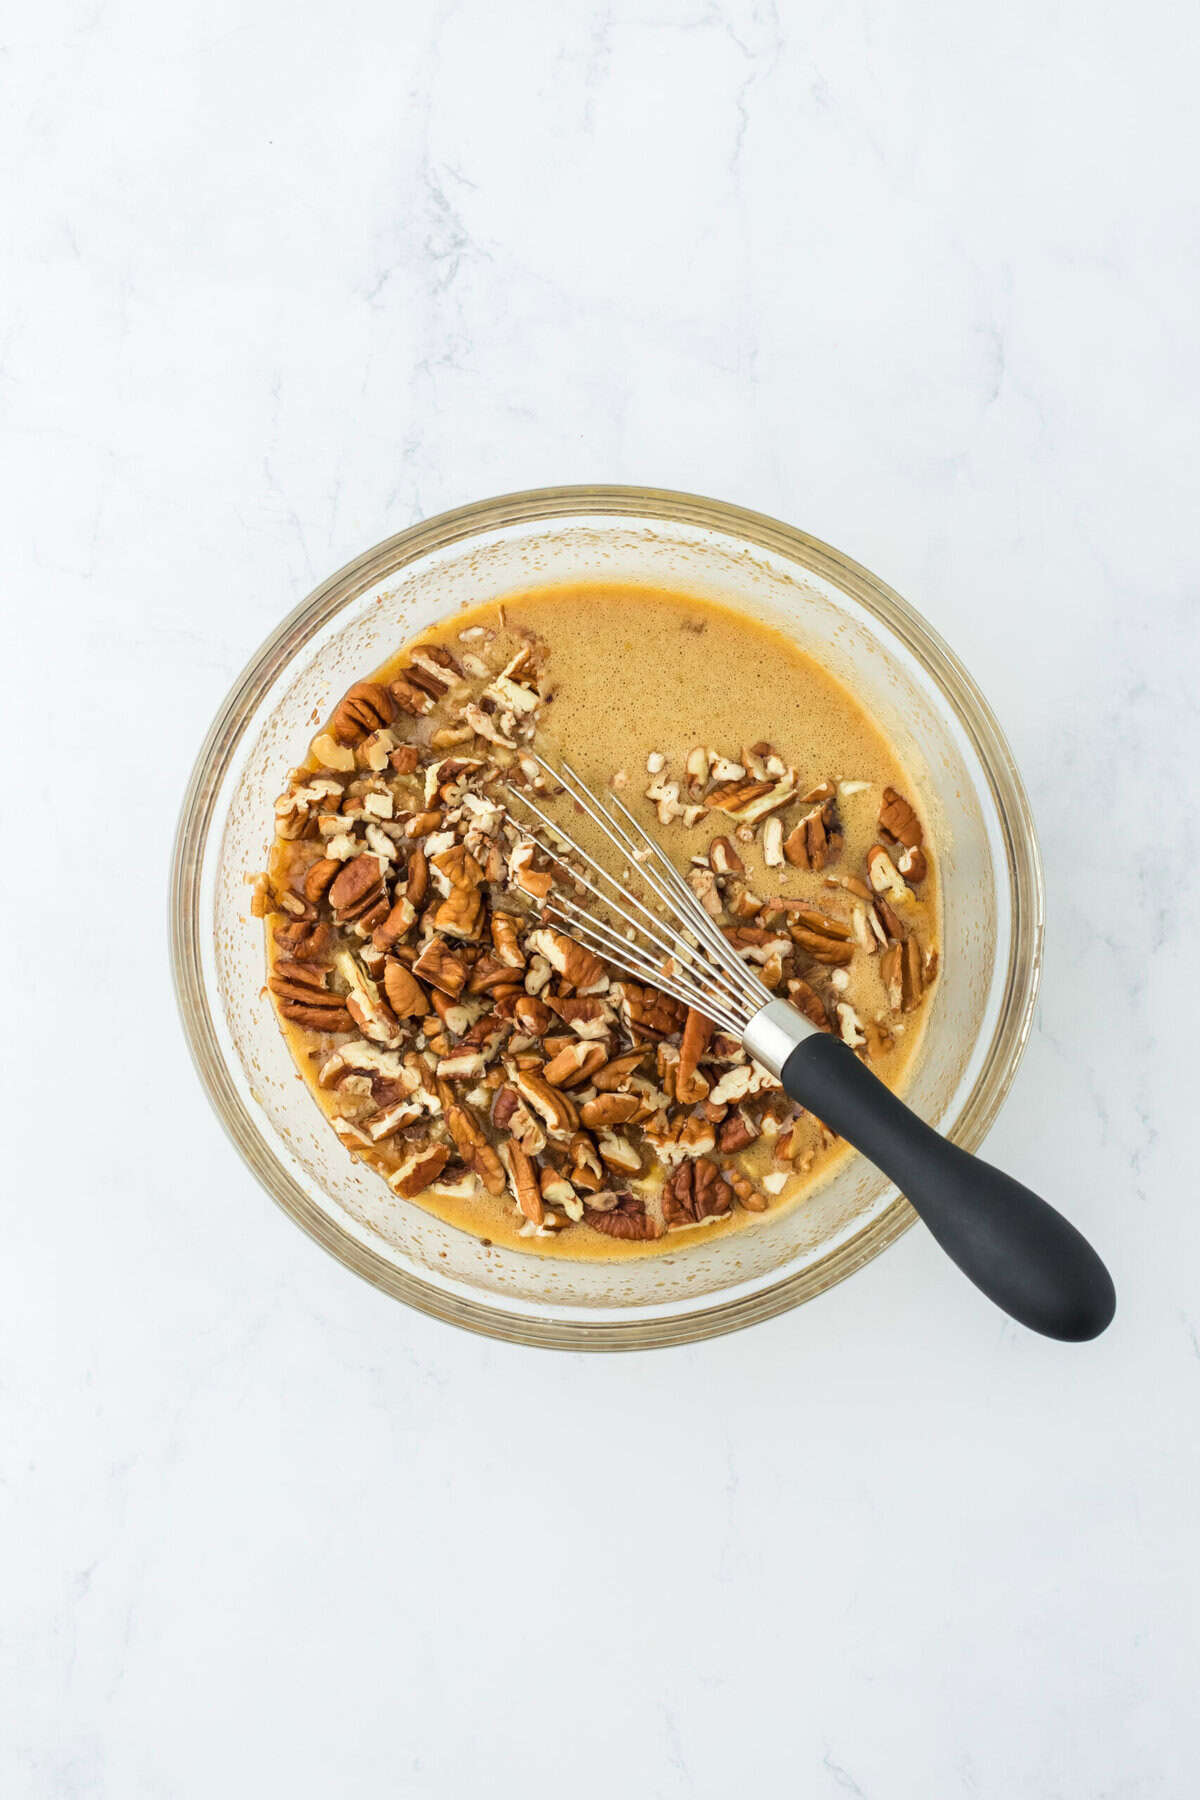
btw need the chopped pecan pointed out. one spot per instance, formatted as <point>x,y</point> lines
<point>816,840</point>
<point>358,896</point>
<point>532,1014</point>
<point>573,1065</point>
<point>748,1195</point>
<point>405,759</point>
<point>616,1152</point>
<point>806,1000</point>
<point>627,1219</point>
<point>648,1012</point>
<point>584,1166</point>
<point>491,976</point>
<point>397,925</point>
<point>616,1073</point>
<point>736,1132</point>
<point>850,1026</point>
<point>572,961</point>
<point>319,877</point>
<point>421,1169</point>
<point>303,996</point>
<point>898,821</point>
<point>416,879</point>
<point>884,876</point>
<point>826,940</point>
<point>549,1102</point>
<point>460,914</point>
<point>506,941</point>
<point>697,1190</point>
<point>365,1004</point>
<point>911,976</point>
<point>912,864</point>
<point>405,995</point>
<point>504,1105</point>
<point>440,965</point>
<point>588,1018</point>
<point>733,797</point>
<point>690,1085</point>
<point>609,1109</point>
<point>523,1181</point>
<point>723,859</point>
<point>363,709</point>
<point>303,941</point>
<point>472,1145</point>
<point>409,695</point>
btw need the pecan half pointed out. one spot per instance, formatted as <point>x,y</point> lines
<point>303,996</point>
<point>697,1190</point>
<point>586,973</point>
<point>364,708</point>
<point>627,1219</point>
<point>898,821</point>
<point>618,1071</point>
<point>736,1132</point>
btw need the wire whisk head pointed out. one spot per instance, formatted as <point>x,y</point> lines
<point>678,948</point>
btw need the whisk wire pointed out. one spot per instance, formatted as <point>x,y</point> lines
<point>702,972</point>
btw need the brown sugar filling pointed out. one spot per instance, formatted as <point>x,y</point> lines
<point>490,1067</point>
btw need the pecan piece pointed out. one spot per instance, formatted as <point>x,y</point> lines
<point>723,859</point>
<point>697,1190</point>
<point>408,695</point>
<point>473,1147</point>
<point>898,822</point>
<point>648,1012</point>
<point>826,940</point>
<point>573,1064</point>
<point>806,1000</point>
<point>617,1072</point>
<point>736,1132</point>
<point>303,941</point>
<point>816,840</point>
<point>572,961</point>
<point>416,881</point>
<point>405,995</point>
<point>885,877</point>
<point>319,877</point>
<point>460,914</point>
<point>627,1219</point>
<point>365,708</point>
<point>585,1170</point>
<point>397,925</point>
<point>523,1181</point>
<point>440,965</point>
<point>532,1014</point>
<point>912,864</point>
<point>610,1109</point>
<point>748,1195</point>
<point>506,941</point>
<point>421,1169</point>
<point>358,895</point>
<point>690,1085</point>
<point>550,1102</point>
<point>911,976</point>
<point>304,997</point>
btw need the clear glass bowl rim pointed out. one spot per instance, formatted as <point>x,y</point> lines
<point>187,924</point>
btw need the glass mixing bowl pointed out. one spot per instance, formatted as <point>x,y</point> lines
<point>908,679</point>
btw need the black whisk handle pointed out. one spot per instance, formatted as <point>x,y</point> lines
<point>1022,1254</point>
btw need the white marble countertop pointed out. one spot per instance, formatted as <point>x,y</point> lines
<point>279,281</point>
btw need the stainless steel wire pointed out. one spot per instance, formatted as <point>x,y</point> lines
<point>683,953</point>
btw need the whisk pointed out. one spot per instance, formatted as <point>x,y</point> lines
<point>1020,1252</point>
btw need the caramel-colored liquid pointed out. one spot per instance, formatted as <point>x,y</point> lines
<point>637,671</point>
